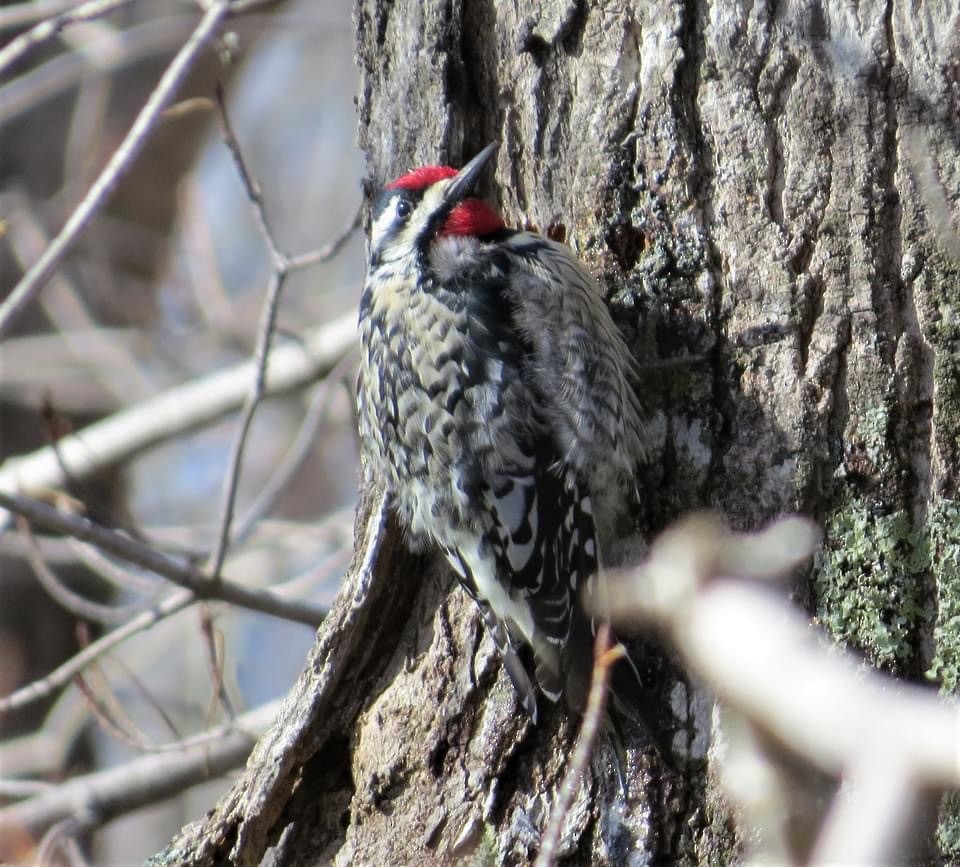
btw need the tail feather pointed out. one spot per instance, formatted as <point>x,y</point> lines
<point>631,700</point>
<point>511,660</point>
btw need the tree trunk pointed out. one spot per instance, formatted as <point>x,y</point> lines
<point>768,193</point>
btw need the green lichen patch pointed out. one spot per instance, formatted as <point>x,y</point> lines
<point>943,527</point>
<point>948,830</point>
<point>867,583</point>
<point>938,288</point>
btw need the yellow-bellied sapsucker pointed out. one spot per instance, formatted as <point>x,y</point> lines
<point>494,398</point>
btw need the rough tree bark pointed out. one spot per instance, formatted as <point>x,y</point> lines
<point>767,191</point>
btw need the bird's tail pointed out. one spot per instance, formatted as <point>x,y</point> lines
<point>629,698</point>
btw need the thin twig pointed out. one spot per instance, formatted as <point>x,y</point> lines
<point>265,332</point>
<point>105,568</point>
<point>117,370</point>
<point>61,840</point>
<point>184,574</point>
<point>328,250</point>
<point>295,455</point>
<point>213,641</point>
<point>110,714</point>
<point>104,795</point>
<point>268,321</point>
<point>63,674</point>
<point>155,39</point>
<point>71,601</point>
<point>210,298</point>
<point>148,698</point>
<point>51,27</point>
<point>119,164</point>
<point>124,732</point>
<point>604,658</point>
<point>231,483</point>
<point>250,185</point>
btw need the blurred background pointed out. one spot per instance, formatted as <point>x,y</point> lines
<point>166,287</point>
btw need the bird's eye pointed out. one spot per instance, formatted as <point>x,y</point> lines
<point>403,208</point>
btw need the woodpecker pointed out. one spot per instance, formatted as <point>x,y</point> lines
<point>495,400</point>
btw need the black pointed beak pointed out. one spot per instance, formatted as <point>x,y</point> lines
<point>466,179</point>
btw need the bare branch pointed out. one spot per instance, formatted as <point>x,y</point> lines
<point>105,568</point>
<point>871,815</point>
<point>19,15</point>
<point>254,396</point>
<point>76,330</point>
<point>250,186</point>
<point>184,574</point>
<point>322,254</point>
<point>71,601</point>
<point>155,38</point>
<point>47,29</point>
<point>61,840</point>
<point>98,797</point>
<point>117,725</point>
<point>177,410</point>
<point>16,790</point>
<point>119,164</point>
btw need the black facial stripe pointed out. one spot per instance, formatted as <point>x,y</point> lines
<point>385,199</point>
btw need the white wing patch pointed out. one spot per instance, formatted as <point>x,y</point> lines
<point>515,505</point>
<point>482,568</point>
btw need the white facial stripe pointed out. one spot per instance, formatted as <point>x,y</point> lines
<point>431,200</point>
<point>382,224</point>
<point>389,239</point>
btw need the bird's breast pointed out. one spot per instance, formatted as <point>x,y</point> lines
<point>439,406</point>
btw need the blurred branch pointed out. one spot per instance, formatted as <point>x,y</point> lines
<point>327,697</point>
<point>182,573</point>
<point>155,38</point>
<point>96,798</point>
<point>110,716</point>
<point>77,369</point>
<point>268,321</point>
<point>178,410</point>
<point>105,352</point>
<point>59,845</point>
<point>118,165</point>
<point>49,28</point>
<point>252,400</point>
<point>172,604</point>
<point>73,602</point>
<point>886,739</point>
<point>43,752</point>
<point>105,568</point>
<point>63,674</point>
<point>18,15</point>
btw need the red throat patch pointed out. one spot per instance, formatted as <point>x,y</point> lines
<point>472,217</point>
